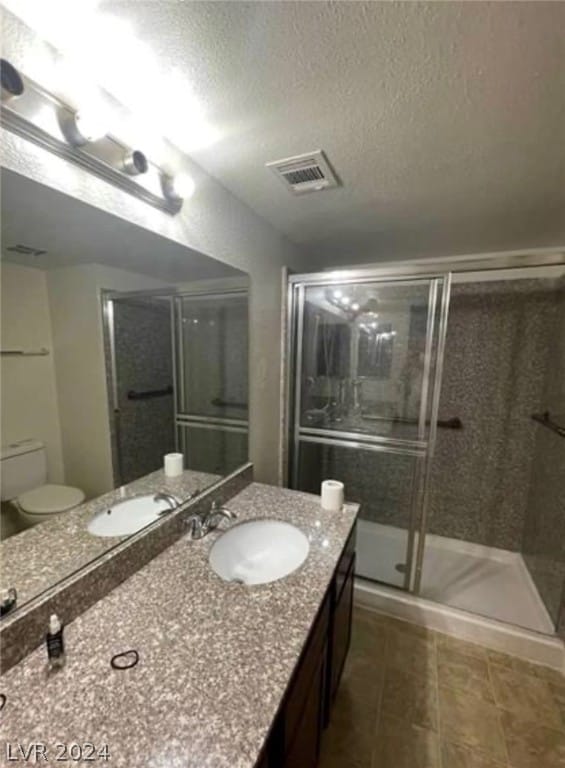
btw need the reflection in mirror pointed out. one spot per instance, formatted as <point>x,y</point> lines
<point>362,357</point>
<point>118,347</point>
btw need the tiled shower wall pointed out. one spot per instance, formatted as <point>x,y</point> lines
<point>143,362</point>
<point>495,371</point>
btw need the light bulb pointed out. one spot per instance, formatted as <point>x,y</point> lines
<point>338,294</point>
<point>345,301</point>
<point>355,307</point>
<point>84,127</point>
<point>90,125</point>
<point>183,185</point>
<point>179,187</point>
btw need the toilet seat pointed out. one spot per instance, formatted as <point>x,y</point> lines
<point>50,499</point>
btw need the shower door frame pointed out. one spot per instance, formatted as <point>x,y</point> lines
<point>107,299</point>
<point>175,295</point>
<point>480,263</point>
<point>184,419</point>
<point>421,449</point>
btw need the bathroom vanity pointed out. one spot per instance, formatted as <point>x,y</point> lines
<point>229,675</point>
<point>295,738</point>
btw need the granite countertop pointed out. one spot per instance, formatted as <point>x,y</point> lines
<point>39,557</point>
<point>215,657</point>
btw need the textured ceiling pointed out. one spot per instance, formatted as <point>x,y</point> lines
<point>445,121</point>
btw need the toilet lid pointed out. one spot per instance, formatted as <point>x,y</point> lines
<point>50,499</point>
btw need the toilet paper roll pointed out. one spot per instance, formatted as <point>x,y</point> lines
<point>174,464</point>
<point>332,495</point>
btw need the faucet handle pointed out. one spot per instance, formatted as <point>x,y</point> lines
<point>199,525</point>
<point>219,509</point>
<point>194,524</point>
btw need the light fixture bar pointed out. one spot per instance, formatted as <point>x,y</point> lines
<point>38,116</point>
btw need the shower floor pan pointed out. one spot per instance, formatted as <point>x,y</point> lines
<point>485,580</point>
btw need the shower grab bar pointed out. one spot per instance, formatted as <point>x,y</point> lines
<point>453,423</point>
<point>546,420</point>
<point>150,393</point>
<point>227,403</point>
<point>25,352</point>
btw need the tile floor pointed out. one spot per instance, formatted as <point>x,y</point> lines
<point>414,698</point>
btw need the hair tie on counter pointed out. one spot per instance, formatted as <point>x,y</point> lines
<point>3,700</point>
<point>125,660</point>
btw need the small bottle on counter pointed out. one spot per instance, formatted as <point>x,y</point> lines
<point>55,644</point>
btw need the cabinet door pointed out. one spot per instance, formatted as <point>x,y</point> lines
<point>305,677</point>
<point>342,629</point>
<point>305,748</point>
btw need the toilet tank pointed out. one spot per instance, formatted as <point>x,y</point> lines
<point>23,467</point>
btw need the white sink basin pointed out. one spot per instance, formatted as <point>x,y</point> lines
<point>127,517</point>
<point>259,551</point>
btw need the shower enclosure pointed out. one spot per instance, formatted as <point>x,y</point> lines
<point>431,397</point>
<point>177,374</point>
<point>210,352</point>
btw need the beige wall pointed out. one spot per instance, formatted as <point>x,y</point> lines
<point>61,398</point>
<point>75,297</point>
<point>29,399</point>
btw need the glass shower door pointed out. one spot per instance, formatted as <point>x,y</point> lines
<point>365,356</point>
<point>212,380</point>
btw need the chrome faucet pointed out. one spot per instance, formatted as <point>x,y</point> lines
<point>200,525</point>
<point>171,500</point>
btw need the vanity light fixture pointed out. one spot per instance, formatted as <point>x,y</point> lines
<point>12,83</point>
<point>83,136</point>
<point>178,187</point>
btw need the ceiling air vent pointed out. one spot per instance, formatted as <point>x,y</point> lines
<point>26,250</point>
<point>305,173</point>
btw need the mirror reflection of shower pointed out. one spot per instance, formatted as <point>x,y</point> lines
<point>359,352</point>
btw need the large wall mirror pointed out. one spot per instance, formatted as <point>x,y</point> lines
<point>118,347</point>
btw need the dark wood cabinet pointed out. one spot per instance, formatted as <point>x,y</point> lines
<point>340,624</point>
<point>295,738</point>
<point>304,749</point>
<point>341,632</point>
<point>263,761</point>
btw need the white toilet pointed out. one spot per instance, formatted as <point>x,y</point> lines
<point>24,472</point>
